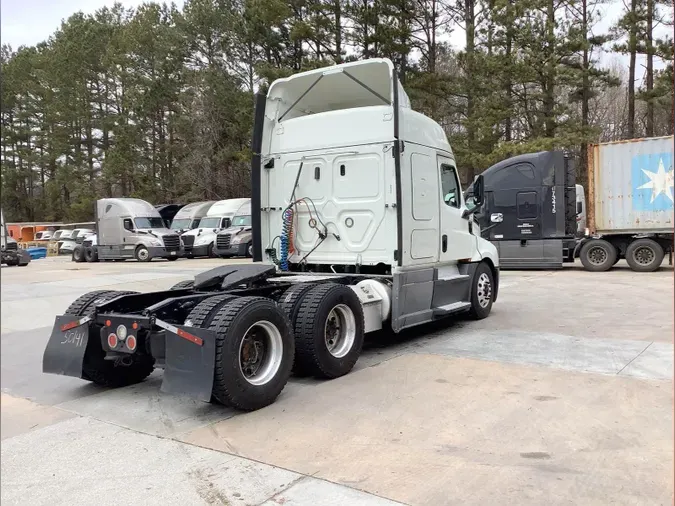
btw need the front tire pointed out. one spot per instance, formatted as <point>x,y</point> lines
<point>254,353</point>
<point>142,254</point>
<point>249,250</point>
<point>107,373</point>
<point>329,331</point>
<point>644,255</point>
<point>482,292</point>
<point>598,255</point>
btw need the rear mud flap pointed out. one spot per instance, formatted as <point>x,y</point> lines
<point>66,347</point>
<point>190,364</point>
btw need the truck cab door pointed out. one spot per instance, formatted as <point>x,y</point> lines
<point>457,239</point>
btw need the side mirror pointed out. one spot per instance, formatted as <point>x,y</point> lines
<point>579,208</point>
<point>478,191</point>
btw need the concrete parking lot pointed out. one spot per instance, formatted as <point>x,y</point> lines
<point>564,395</point>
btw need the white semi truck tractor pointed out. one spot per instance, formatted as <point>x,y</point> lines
<point>358,224</point>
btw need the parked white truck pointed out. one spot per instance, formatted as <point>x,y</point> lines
<point>358,224</point>
<point>200,241</point>
<point>133,228</point>
<point>630,204</point>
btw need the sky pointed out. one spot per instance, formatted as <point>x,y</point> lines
<point>28,22</point>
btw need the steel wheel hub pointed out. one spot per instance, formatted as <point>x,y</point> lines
<point>643,255</point>
<point>340,330</point>
<point>484,291</point>
<point>597,255</point>
<point>260,353</point>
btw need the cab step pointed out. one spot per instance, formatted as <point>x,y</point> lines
<point>449,309</point>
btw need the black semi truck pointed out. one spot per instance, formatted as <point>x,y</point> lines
<point>531,209</point>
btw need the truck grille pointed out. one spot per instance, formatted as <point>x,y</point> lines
<point>171,242</point>
<point>223,241</point>
<point>188,241</point>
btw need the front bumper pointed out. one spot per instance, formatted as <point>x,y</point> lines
<point>162,252</point>
<point>199,251</point>
<point>235,250</point>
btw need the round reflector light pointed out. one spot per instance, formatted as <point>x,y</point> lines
<point>131,343</point>
<point>112,340</point>
<point>122,332</point>
<point>108,323</point>
<point>134,326</point>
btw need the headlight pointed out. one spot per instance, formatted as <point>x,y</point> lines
<point>155,242</point>
<point>203,239</point>
<point>236,239</point>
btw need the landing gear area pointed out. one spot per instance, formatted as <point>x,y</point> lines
<point>642,254</point>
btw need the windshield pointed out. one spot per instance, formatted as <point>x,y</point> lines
<point>182,224</point>
<point>149,223</point>
<point>212,222</point>
<point>241,221</point>
<point>57,234</point>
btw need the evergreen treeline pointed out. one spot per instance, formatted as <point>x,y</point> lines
<point>157,102</point>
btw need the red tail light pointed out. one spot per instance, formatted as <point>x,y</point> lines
<point>112,340</point>
<point>131,343</point>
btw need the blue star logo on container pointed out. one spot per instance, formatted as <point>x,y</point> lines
<point>652,178</point>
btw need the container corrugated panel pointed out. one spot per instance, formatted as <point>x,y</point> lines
<point>630,186</point>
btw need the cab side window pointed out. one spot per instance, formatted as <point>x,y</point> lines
<point>128,225</point>
<point>450,186</point>
<point>225,223</point>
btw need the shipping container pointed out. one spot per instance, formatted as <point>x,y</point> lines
<point>630,186</point>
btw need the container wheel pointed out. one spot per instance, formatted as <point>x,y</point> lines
<point>644,255</point>
<point>482,292</point>
<point>108,373</point>
<point>329,331</point>
<point>597,255</point>
<point>254,352</point>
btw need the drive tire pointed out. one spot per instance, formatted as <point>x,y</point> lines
<point>644,255</point>
<point>482,292</point>
<point>107,373</point>
<point>598,255</point>
<point>232,323</point>
<point>78,254</point>
<point>202,314</point>
<point>90,254</point>
<point>289,303</point>
<point>341,305</point>
<point>182,285</point>
<point>142,254</point>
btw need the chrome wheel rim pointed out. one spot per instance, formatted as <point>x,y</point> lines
<point>484,290</point>
<point>643,255</point>
<point>597,255</point>
<point>143,254</point>
<point>260,353</point>
<point>340,330</point>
